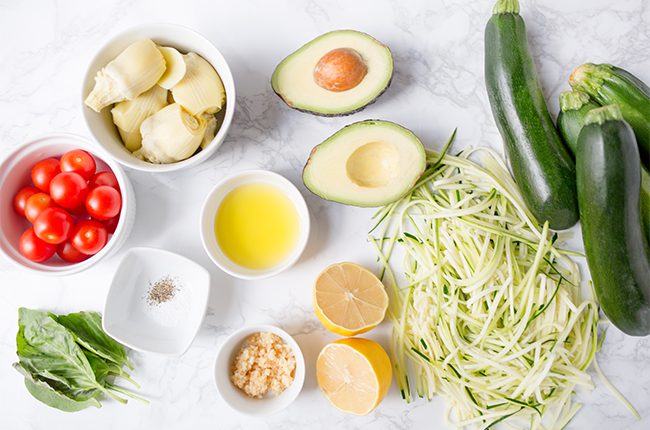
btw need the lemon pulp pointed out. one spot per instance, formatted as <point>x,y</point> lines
<point>256,226</point>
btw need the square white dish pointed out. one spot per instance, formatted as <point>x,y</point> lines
<point>167,328</point>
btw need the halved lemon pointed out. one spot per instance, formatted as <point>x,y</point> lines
<point>348,299</point>
<point>354,374</point>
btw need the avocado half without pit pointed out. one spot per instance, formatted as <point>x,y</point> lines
<point>368,163</point>
<point>338,73</point>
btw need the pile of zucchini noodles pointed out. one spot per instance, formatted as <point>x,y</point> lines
<point>487,312</point>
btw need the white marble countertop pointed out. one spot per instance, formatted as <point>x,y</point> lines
<point>438,85</point>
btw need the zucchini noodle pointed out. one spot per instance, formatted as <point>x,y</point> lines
<point>486,312</point>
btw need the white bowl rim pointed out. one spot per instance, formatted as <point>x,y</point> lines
<point>222,132</point>
<point>239,336</point>
<point>305,226</point>
<point>204,305</point>
<point>122,179</point>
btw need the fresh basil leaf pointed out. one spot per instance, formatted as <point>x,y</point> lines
<point>45,393</point>
<point>102,368</point>
<point>47,349</point>
<point>69,363</point>
<point>86,327</point>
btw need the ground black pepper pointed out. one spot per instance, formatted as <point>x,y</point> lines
<point>161,291</point>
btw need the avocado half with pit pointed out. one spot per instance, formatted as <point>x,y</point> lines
<point>368,163</point>
<point>338,73</point>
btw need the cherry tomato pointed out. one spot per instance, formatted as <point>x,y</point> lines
<point>78,161</point>
<point>34,248</point>
<point>78,212</point>
<point>69,253</point>
<point>69,190</point>
<point>104,178</point>
<point>82,216</point>
<point>21,198</point>
<point>111,224</point>
<point>43,172</point>
<point>103,202</point>
<point>36,204</point>
<point>53,225</point>
<point>89,237</point>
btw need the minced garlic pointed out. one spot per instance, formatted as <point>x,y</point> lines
<point>265,363</point>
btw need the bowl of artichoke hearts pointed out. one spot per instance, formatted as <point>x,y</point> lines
<point>158,98</point>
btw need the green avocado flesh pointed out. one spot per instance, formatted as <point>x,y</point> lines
<point>368,163</point>
<point>293,79</point>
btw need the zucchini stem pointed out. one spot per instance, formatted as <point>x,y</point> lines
<point>506,6</point>
<point>604,114</point>
<point>589,76</point>
<point>573,100</point>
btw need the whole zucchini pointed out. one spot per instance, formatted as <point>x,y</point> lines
<point>574,106</point>
<point>645,201</point>
<point>608,84</point>
<point>541,165</point>
<point>609,181</point>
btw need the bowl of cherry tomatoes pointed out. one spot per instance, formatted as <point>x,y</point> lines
<point>64,205</point>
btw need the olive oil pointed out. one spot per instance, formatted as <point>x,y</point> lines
<point>257,226</point>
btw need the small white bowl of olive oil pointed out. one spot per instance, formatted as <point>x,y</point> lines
<point>254,224</point>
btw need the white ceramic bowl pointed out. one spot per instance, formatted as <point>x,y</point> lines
<point>15,173</point>
<point>237,399</point>
<point>168,328</point>
<point>185,40</point>
<point>212,203</point>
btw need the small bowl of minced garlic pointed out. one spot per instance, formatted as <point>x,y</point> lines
<point>158,97</point>
<point>259,370</point>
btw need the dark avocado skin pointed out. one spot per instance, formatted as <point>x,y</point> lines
<point>541,165</point>
<point>331,115</point>
<point>609,180</point>
<point>570,122</point>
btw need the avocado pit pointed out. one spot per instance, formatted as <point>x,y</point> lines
<point>340,69</point>
<point>372,165</point>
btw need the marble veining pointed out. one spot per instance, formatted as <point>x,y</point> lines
<point>438,85</point>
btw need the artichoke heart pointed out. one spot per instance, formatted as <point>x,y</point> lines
<point>210,129</point>
<point>175,67</point>
<point>201,89</point>
<point>172,134</point>
<point>131,139</point>
<point>134,71</point>
<point>129,115</point>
